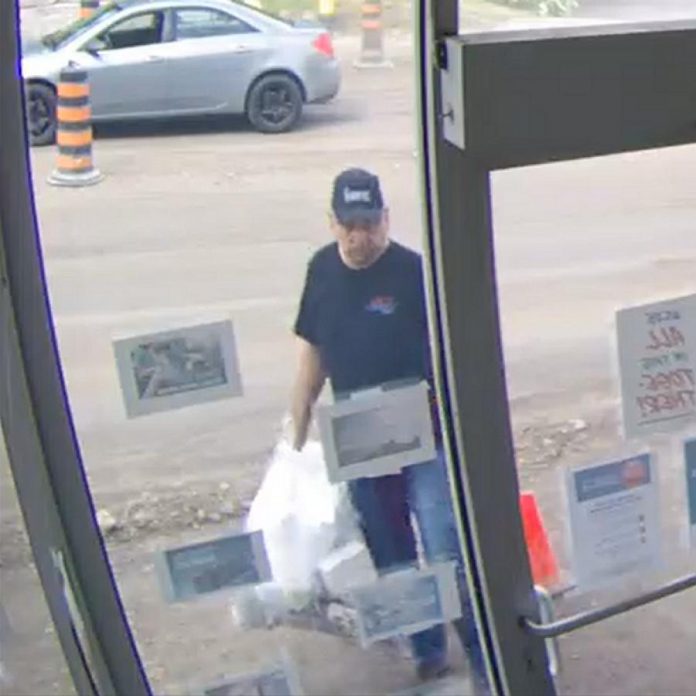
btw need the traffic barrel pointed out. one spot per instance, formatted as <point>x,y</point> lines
<point>372,32</point>
<point>326,10</point>
<point>88,8</point>
<point>74,165</point>
<point>543,562</point>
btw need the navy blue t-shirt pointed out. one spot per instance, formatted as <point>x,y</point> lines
<point>370,324</point>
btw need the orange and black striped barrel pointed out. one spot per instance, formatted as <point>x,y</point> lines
<point>88,8</point>
<point>372,49</point>
<point>74,165</point>
<point>74,123</point>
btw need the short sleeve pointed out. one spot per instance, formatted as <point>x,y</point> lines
<point>307,316</point>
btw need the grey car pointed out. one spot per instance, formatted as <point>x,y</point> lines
<point>154,58</point>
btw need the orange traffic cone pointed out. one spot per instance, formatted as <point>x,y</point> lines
<point>541,557</point>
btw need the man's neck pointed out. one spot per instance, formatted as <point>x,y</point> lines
<point>355,267</point>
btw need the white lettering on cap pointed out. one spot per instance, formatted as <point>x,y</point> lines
<point>356,196</point>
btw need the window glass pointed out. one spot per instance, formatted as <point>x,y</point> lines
<point>64,34</point>
<point>201,23</point>
<point>331,570</point>
<point>141,30</point>
<point>597,295</point>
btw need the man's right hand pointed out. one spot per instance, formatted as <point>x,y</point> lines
<point>289,433</point>
<point>300,424</point>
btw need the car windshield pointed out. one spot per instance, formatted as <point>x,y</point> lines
<point>58,38</point>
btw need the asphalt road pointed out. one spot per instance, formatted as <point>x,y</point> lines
<point>202,220</point>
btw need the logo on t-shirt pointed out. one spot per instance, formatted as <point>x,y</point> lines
<point>382,304</point>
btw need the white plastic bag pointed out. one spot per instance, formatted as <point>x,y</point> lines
<point>302,515</point>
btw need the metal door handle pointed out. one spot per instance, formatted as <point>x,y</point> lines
<point>547,614</point>
<point>557,628</point>
<point>155,59</point>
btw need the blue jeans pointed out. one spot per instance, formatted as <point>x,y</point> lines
<point>385,505</point>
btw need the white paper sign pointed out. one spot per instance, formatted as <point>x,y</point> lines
<point>278,680</point>
<point>171,369</point>
<point>229,562</point>
<point>657,362</point>
<point>377,432</point>
<point>614,519</point>
<point>690,462</point>
<point>407,602</point>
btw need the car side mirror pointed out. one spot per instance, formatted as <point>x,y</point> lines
<point>94,47</point>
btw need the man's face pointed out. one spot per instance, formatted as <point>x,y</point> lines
<point>361,241</point>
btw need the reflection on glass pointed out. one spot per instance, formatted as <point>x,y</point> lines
<point>31,660</point>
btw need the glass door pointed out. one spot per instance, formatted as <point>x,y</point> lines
<point>179,316</point>
<point>188,297</point>
<point>567,302</point>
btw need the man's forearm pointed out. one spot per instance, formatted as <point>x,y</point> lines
<point>301,418</point>
<point>308,385</point>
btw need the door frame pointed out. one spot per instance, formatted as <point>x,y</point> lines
<point>491,101</point>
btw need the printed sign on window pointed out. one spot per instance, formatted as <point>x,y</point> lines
<point>406,602</point>
<point>690,461</point>
<point>171,369</point>
<point>276,680</point>
<point>377,432</point>
<point>614,519</point>
<point>225,563</point>
<point>657,362</point>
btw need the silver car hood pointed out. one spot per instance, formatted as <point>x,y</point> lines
<point>45,64</point>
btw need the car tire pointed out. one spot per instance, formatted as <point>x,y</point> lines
<point>41,114</point>
<point>274,104</point>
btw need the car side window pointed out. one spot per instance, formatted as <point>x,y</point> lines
<point>199,23</point>
<point>140,30</point>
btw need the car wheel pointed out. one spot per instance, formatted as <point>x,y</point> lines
<point>41,114</point>
<point>274,104</point>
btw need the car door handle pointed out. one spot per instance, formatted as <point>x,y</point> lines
<point>242,49</point>
<point>155,59</point>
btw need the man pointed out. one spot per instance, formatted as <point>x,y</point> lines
<point>361,324</point>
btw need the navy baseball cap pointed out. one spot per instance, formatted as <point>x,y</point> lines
<point>357,197</point>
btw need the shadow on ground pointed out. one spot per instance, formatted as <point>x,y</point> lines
<point>313,118</point>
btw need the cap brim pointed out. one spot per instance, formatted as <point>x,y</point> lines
<point>356,216</point>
